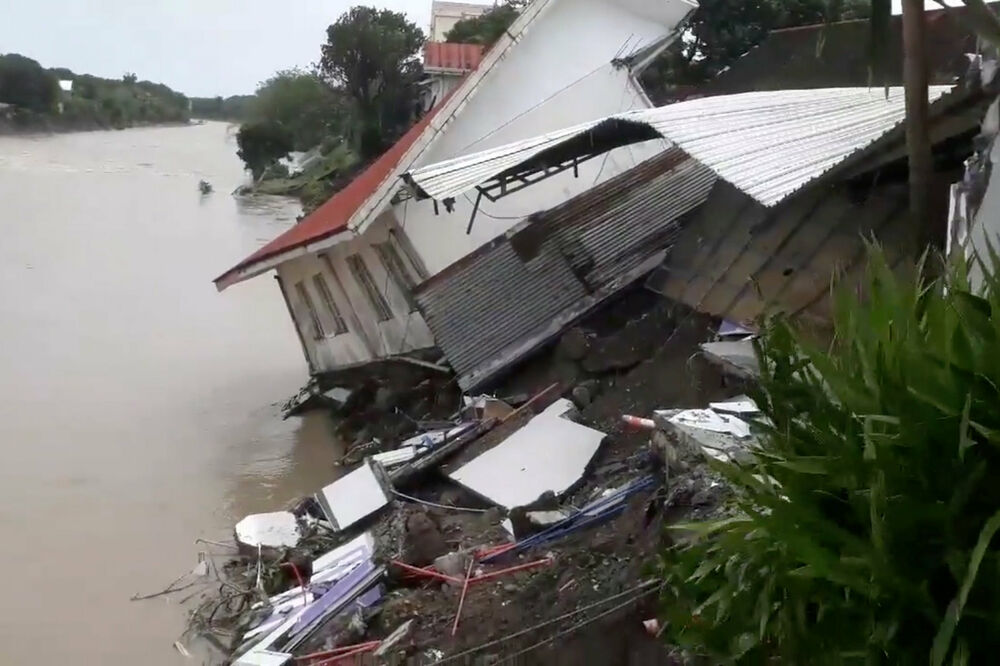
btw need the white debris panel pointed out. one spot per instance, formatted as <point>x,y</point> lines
<point>550,453</point>
<point>269,530</point>
<point>769,144</point>
<point>352,498</point>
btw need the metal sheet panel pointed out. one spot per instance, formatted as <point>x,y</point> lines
<point>501,301</point>
<point>768,144</point>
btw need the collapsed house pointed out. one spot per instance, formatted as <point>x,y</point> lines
<point>797,179</point>
<point>348,270</point>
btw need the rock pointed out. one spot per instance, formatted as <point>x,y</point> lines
<point>574,344</point>
<point>384,399</point>
<point>581,396</point>
<point>423,542</point>
<point>453,564</point>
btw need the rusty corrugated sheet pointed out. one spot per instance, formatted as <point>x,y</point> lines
<point>498,304</point>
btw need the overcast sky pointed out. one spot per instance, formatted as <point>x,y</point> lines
<point>199,47</point>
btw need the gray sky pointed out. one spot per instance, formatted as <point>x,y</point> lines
<point>199,47</point>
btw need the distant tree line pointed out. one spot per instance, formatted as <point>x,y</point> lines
<point>36,100</point>
<point>234,108</point>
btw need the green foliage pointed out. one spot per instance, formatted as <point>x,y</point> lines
<point>94,102</point>
<point>865,531</point>
<point>487,28</point>
<point>371,55</point>
<point>720,31</point>
<point>24,83</point>
<point>234,108</point>
<point>262,144</point>
<point>302,103</point>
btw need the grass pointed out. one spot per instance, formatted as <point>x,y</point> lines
<point>864,530</point>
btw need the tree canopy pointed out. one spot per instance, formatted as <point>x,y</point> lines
<point>261,144</point>
<point>720,31</point>
<point>371,54</point>
<point>302,103</point>
<point>488,27</point>
<point>25,83</point>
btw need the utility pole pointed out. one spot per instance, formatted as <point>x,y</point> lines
<point>918,142</point>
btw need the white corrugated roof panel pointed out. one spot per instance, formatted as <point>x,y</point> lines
<point>768,144</point>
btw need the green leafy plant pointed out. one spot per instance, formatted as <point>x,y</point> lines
<point>864,532</point>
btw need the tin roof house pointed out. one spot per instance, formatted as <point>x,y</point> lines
<point>349,270</point>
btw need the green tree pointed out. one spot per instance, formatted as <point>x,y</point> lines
<point>487,28</point>
<point>371,55</point>
<point>302,103</point>
<point>24,83</point>
<point>721,31</point>
<point>262,144</point>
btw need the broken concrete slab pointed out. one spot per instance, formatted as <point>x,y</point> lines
<point>738,358</point>
<point>739,405</point>
<point>279,529</point>
<point>393,639</point>
<point>352,497</point>
<point>548,454</point>
<point>709,419</point>
<point>722,446</point>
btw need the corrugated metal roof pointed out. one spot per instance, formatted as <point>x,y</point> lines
<point>499,303</point>
<point>768,144</point>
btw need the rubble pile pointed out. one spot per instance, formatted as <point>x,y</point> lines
<point>492,533</point>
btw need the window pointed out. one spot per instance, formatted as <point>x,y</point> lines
<point>367,283</point>
<point>339,325</point>
<point>397,271</point>
<point>304,296</point>
<point>403,243</point>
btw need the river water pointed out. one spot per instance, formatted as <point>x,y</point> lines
<point>138,407</point>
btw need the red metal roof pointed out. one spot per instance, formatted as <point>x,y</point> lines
<point>448,55</point>
<point>332,217</point>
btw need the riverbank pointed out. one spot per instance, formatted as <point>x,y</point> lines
<point>46,125</point>
<point>317,176</point>
<point>559,578</point>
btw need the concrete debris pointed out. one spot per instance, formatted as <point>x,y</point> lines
<point>717,435</point>
<point>550,453</point>
<point>709,419</point>
<point>739,405</point>
<point>738,358</point>
<point>352,497</point>
<point>279,529</point>
<point>393,639</point>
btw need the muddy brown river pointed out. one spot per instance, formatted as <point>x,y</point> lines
<point>138,407</point>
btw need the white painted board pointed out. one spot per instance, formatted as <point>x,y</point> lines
<point>353,497</point>
<point>549,453</point>
<point>279,529</point>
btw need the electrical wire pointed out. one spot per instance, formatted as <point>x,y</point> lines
<point>651,584</point>
<point>580,625</point>
<point>435,505</point>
